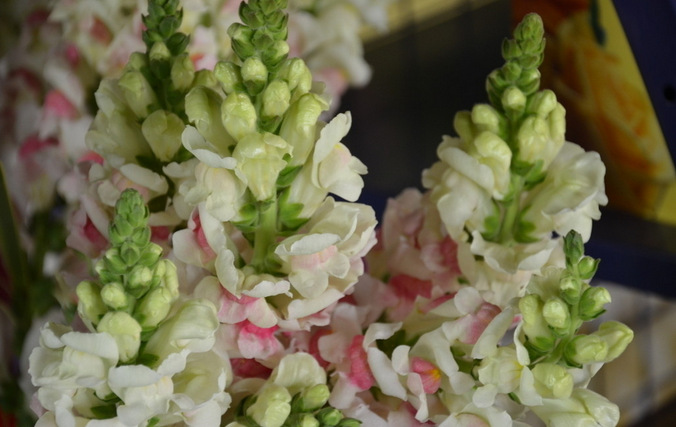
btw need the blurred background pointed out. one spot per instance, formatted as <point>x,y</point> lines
<point>613,67</point>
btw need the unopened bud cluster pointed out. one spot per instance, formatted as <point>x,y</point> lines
<point>273,406</point>
<point>559,303</point>
<point>136,287</point>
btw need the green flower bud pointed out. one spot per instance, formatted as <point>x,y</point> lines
<point>329,416</point>
<point>136,62</point>
<point>151,254</point>
<point>166,270</point>
<point>535,327</point>
<point>464,126</point>
<point>228,74</point>
<point>587,267</point>
<point>126,331</point>
<point>238,115</point>
<point>206,78</point>
<point>313,398</point>
<point>90,305</point>
<point>542,103</point>
<point>182,72</point>
<point>585,349</point>
<point>138,281</point>
<point>573,247</point>
<point>275,55</point>
<point>617,336</point>
<point>556,313</point>
<point>138,93</point>
<point>203,108</point>
<point>300,124</point>
<point>552,381</point>
<point>112,261</point>
<point>272,406</point>
<point>154,307</point>
<point>349,422</point>
<point>160,60</point>
<point>141,236</point>
<point>240,37</point>
<point>571,288</point>
<point>254,75</point>
<point>532,139</point>
<point>297,75</point>
<point>163,130</point>
<point>487,118</point>
<point>593,302</point>
<point>129,253</point>
<point>557,124</point>
<point>514,100</point>
<point>302,420</point>
<point>276,98</point>
<point>114,296</point>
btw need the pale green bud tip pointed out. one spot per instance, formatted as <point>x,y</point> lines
<point>587,267</point>
<point>238,115</point>
<point>228,74</point>
<point>272,407</point>
<point>585,349</point>
<point>571,288</point>
<point>531,27</point>
<point>137,92</point>
<point>297,75</point>
<point>159,52</point>
<point>593,302</point>
<point>276,98</point>
<point>114,296</point>
<point>329,416</point>
<point>617,336</point>
<point>154,307</point>
<point>126,331</point>
<point>514,100</point>
<point>314,397</point>
<point>487,117</point>
<point>556,313</point>
<point>254,74</point>
<point>90,305</point>
<point>573,247</point>
<point>552,381</point>
<point>182,72</point>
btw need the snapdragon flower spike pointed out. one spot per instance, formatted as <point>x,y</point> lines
<point>556,306</point>
<point>136,286</point>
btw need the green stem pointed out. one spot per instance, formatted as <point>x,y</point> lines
<point>265,234</point>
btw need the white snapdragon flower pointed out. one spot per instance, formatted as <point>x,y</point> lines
<point>570,196</point>
<point>331,169</point>
<point>323,260</point>
<point>461,187</point>
<point>184,381</point>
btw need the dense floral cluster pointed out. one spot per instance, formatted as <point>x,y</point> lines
<point>230,277</point>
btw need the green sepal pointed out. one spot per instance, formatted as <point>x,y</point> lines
<point>104,412</point>
<point>573,247</point>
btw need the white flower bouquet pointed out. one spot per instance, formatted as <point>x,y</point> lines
<point>230,277</point>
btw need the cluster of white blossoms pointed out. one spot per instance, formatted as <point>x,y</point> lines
<point>260,314</point>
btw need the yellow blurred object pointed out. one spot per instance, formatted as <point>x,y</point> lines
<point>590,65</point>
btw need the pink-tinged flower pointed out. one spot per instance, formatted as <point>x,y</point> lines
<point>84,235</point>
<point>201,239</point>
<point>480,320</point>
<point>257,343</point>
<point>360,373</point>
<point>313,347</point>
<point>429,374</point>
<point>407,289</point>
<point>59,106</point>
<point>34,145</point>
<point>98,30</point>
<point>249,368</point>
<point>235,310</point>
